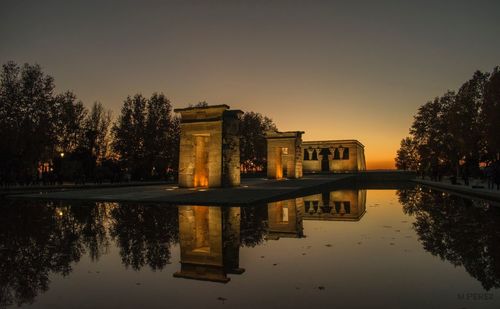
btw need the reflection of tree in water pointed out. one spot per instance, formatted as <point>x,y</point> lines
<point>462,231</point>
<point>36,240</point>
<point>253,226</point>
<point>144,234</point>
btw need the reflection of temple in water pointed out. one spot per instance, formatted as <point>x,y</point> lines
<point>341,205</point>
<point>285,218</point>
<point>209,238</point>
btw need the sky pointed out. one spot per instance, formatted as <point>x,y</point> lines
<point>334,69</point>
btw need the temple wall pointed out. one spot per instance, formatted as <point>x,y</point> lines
<point>284,155</point>
<point>230,153</point>
<point>313,160</point>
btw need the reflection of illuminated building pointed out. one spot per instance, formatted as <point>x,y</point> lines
<point>209,238</point>
<point>285,218</point>
<point>348,205</point>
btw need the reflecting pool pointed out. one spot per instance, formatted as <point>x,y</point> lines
<point>353,248</point>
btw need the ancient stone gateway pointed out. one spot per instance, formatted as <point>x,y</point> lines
<point>284,154</point>
<point>209,147</point>
<point>333,156</point>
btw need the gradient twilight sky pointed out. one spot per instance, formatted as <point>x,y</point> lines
<point>334,69</point>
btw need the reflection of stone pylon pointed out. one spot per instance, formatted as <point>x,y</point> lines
<point>209,239</point>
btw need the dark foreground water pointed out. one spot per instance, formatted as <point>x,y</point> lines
<point>412,248</point>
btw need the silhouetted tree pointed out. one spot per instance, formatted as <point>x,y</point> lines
<point>465,128</point>
<point>407,155</point>
<point>158,135</point>
<point>27,113</point>
<point>455,132</point>
<point>491,115</point>
<point>97,127</point>
<point>253,146</point>
<point>69,123</point>
<point>128,134</point>
<point>146,136</point>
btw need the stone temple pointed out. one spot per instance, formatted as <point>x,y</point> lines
<point>333,156</point>
<point>289,157</point>
<point>284,154</point>
<point>209,154</point>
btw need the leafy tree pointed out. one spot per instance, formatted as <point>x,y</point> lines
<point>407,155</point>
<point>491,115</point>
<point>146,135</point>
<point>253,146</point>
<point>69,122</point>
<point>97,127</point>
<point>128,133</point>
<point>465,127</point>
<point>27,113</point>
<point>457,131</point>
<point>157,138</point>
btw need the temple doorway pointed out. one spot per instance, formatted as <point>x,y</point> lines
<point>201,161</point>
<point>325,160</point>
<point>279,162</point>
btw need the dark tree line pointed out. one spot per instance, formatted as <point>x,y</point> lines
<point>455,133</point>
<point>146,136</point>
<point>50,138</point>
<point>47,136</point>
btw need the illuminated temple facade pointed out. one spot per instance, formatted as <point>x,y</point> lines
<point>333,156</point>
<point>284,154</point>
<point>289,157</point>
<point>209,150</point>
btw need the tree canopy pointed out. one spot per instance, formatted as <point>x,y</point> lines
<point>458,130</point>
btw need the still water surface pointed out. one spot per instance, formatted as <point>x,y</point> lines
<point>411,248</point>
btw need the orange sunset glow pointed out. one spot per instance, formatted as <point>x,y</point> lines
<point>335,71</point>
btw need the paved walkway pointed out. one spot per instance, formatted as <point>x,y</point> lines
<point>251,191</point>
<point>490,194</point>
<point>72,186</point>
